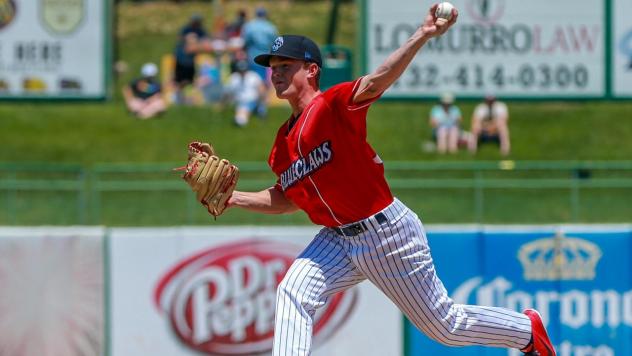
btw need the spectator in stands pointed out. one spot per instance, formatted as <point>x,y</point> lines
<point>232,35</point>
<point>258,34</point>
<point>445,119</point>
<point>195,25</point>
<point>490,124</point>
<point>143,96</point>
<point>234,28</point>
<point>186,49</point>
<point>209,81</point>
<point>247,91</point>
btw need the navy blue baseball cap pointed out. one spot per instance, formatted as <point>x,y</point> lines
<point>292,46</point>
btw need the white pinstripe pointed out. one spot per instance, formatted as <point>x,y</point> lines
<point>396,258</point>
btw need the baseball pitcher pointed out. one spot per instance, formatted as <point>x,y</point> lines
<point>326,167</point>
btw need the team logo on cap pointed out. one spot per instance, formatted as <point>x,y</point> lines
<point>277,44</point>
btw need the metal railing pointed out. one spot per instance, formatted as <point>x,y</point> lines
<point>83,188</point>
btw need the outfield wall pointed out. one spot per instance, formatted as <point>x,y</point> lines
<point>578,277</point>
<point>186,290</point>
<point>177,291</point>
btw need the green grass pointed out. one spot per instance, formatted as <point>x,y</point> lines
<point>104,132</point>
<point>95,132</point>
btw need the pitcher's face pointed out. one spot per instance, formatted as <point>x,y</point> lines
<point>289,76</point>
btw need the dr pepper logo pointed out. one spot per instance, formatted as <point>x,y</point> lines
<point>221,301</point>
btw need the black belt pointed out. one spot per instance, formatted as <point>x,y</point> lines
<point>359,227</point>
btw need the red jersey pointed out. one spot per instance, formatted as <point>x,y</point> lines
<point>325,165</point>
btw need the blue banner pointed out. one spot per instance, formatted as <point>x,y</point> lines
<point>578,278</point>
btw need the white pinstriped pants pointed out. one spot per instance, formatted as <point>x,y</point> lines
<point>396,258</point>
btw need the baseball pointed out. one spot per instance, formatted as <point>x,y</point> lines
<point>444,11</point>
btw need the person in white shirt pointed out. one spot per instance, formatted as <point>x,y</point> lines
<point>490,124</point>
<point>247,90</point>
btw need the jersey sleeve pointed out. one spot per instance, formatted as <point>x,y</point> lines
<point>340,98</point>
<point>277,186</point>
<point>344,93</point>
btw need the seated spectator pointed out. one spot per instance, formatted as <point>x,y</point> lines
<point>143,96</point>
<point>490,124</point>
<point>445,120</point>
<point>247,90</point>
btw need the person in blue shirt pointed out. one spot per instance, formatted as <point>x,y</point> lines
<point>445,120</point>
<point>258,33</point>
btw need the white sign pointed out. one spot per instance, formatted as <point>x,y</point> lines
<point>191,291</point>
<point>622,48</point>
<point>53,48</point>
<point>530,49</point>
<point>52,291</point>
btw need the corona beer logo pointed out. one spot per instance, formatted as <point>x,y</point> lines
<point>221,301</point>
<point>486,11</point>
<point>559,258</point>
<point>7,12</point>
<point>575,308</point>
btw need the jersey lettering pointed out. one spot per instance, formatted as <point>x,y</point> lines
<point>306,166</point>
<point>325,165</point>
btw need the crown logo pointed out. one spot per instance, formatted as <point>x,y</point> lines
<point>559,258</point>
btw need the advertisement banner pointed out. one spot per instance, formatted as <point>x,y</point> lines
<point>523,49</point>
<point>52,291</point>
<point>191,291</point>
<point>579,278</point>
<point>53,48</point>
<point>622,48</point>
